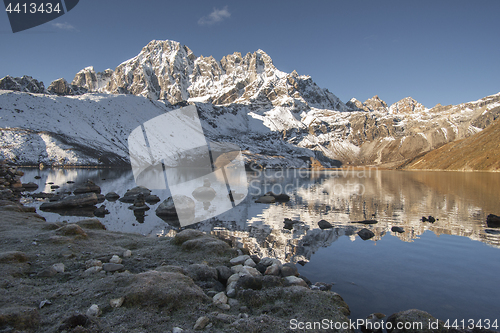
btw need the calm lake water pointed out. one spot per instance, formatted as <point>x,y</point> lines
<point>450,268</point>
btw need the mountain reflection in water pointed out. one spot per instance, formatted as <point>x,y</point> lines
<point>434,267</point>
<point>459,201</point>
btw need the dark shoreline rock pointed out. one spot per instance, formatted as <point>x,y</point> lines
<point>365,222</point>
<point>131,195</point>
<point>75,201</point>
<point>365,234</point>
<point>493,221</point>
<point>323,224</point>
<point>397,229</point>
<point>88,187</point>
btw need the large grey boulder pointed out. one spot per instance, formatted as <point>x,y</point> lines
<point>24,84</point>
<point>162,289</point>
<point>414,321</point>
<point>132,194</point>
<point>74,201</point>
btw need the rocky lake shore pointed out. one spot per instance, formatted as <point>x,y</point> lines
<point>79,277</point>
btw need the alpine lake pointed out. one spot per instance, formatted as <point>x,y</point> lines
<point>449,268</point>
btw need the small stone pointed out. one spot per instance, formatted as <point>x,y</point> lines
<point>47,272</point>
<point>93,311</point>
<point>92,270</point>
<point>233,302</point>
<point>233,278</point>
<point>250,262</point>
<point>324,224</point>
<point>261,268</point>
<point>111,267</point>
<point>272,270</point>
<point>187,234</point>
<point>397,229</point>
<point>322,286</point>
<point>255,258</point>
<point>306,280</point>
<point>30,186</point>
<point>74,321</point>
<point>294,281</point>
<point>271,281</point>
<point>115,259</point>
<point>201,323</point>
<point>237,269</point>
<point>152,199</point>
<point>223,273</point>
<point>266,199</point>
<point>13,256</point>
<point>493,221</point>
<point>101,211</point>
<point>116,302</point>
<point>250,282</point>
<point>112,196</point>
<point>244,309</point>
<point>289,269</point>
<point>224,306</point>
<point>247,270</point>
<point>231,289</point>
<point>92,262</point>
<point>43,303</point>
<point>177,330</point>
<point>240,260</point>
<point>201,272</point>
<point>365,234</point>
<point>127,254</point>
<point>71,230</point>
<point>220,298</point>
<point>59,268</point>
<point>19,318</point>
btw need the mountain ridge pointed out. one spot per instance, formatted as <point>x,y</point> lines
<point>278,119</point>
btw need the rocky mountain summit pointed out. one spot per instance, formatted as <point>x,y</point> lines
<point>24,84</point>
<point>278,119</point>
<point>167,70</point>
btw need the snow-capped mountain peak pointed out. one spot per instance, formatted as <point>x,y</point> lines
<point>407,105</point>
<point>167,70</point>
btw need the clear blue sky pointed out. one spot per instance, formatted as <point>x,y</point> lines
<point>436,51</point>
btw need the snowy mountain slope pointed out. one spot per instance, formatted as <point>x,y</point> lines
<point>477,152</point>
<point>92,129</point>
<point>78,130</point>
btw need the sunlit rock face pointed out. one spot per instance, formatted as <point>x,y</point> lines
<point>170,71</point>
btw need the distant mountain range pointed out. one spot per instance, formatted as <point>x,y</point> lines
<point>278,119</point>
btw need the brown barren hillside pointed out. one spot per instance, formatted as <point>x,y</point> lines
<point>480,151</point>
